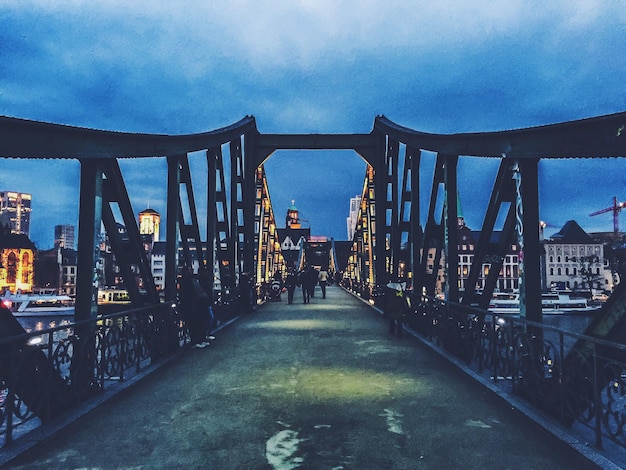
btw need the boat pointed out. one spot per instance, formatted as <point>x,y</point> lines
<point>552,303</point>
<point>38,304</point>
<point>113,296</point>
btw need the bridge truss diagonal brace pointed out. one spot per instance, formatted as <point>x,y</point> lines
<point>102,186</point>
<point>440,232</point>
<point>89,225</point>
<point>517,185</point>
<point>486,251</point>
<point>190,230</point>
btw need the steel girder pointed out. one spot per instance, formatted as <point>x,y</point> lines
<point>603,136</point>
<point>361,262</point>
<point>515,185</point>
<point>597,137</point>
<point>102,186</point>
<point>269,258</point>
<point>440,233</point>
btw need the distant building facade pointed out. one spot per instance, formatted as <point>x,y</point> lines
<point>355,203</point>
<point>149,223</point>
<point>17,259</point>
<point>574,260</point>
<point>293,237</point>
<point>64,236</point>
<point>157,265</point>
<point>15,209</point>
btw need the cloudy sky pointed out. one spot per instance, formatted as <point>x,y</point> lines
<point>313,67</point>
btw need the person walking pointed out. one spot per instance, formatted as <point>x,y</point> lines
<point>290,285</point>
<point>395,307</point>
<point>310,276</point>
<point>195,304</point>
<point>276,286</point>
<point>322,278</point>
<point>302,281</point>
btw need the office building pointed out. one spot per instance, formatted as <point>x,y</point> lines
<point>15,210</point>
<point>64,236</point>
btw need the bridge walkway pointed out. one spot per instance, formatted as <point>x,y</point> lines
<point>315,386</point>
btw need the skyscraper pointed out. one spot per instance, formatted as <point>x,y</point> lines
<point>15,211</point>
<point>355,204</point>
<point>64,236</point>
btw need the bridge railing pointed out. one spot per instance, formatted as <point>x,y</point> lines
<point>44,374</point>
<point>580,384</point>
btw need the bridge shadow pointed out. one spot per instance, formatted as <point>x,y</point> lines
<point>320,385</point>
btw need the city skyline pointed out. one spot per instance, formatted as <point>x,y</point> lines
<point>323,67</point>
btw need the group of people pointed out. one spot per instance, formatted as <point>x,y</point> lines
<point>197,312</point>
<point>306,278</point>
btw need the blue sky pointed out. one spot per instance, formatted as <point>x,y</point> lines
<point>314,67</point>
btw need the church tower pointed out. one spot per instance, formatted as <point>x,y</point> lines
<point>292,220</point>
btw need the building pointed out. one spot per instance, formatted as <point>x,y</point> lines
<point>293,237</point>
<point>355,203</point>
<point>15,211</point>
<point>149,223</point>
<point>17,259</point>
<point>157,265</point>
<point>69,266</point>
<point>574,260</point>
<point>64,236</point>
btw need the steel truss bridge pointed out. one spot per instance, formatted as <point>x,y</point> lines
<point>390,242</point>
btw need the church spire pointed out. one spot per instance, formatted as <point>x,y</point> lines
<point>292,220</point>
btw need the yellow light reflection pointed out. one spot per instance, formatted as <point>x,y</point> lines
<point>313,384</point>
<point>298,325</point>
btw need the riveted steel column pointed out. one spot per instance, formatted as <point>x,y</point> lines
<point>251,160</point>
<point>391,204</point>
<point>415,233</point>
<point>530,233</point>
<point>379,231</point>
<point>173,221</point>
<point>89,225</point>
<point>211,217</point>
<point>451,230</point>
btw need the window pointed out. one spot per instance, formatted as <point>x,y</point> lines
<point>11,268</point>
<point>558,271</point>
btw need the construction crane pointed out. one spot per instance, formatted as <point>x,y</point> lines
<point>616,208</point>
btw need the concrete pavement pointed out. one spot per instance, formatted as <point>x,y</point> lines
<point>316,386</point>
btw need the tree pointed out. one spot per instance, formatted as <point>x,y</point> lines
<point>588,272</point>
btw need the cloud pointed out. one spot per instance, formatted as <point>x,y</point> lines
<point>310,66</point>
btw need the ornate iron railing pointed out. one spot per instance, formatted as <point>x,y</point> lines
<point>44,374</point>
<point>577,380</point>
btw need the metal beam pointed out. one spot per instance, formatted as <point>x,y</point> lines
<point>363,144</point>
<point>21,138</point>
<point>89,225</point>
<point>603,136</point>
<point>173,221</point>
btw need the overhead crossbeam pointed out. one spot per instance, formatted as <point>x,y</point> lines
<point>597,137</point>
<point>22,138</point>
